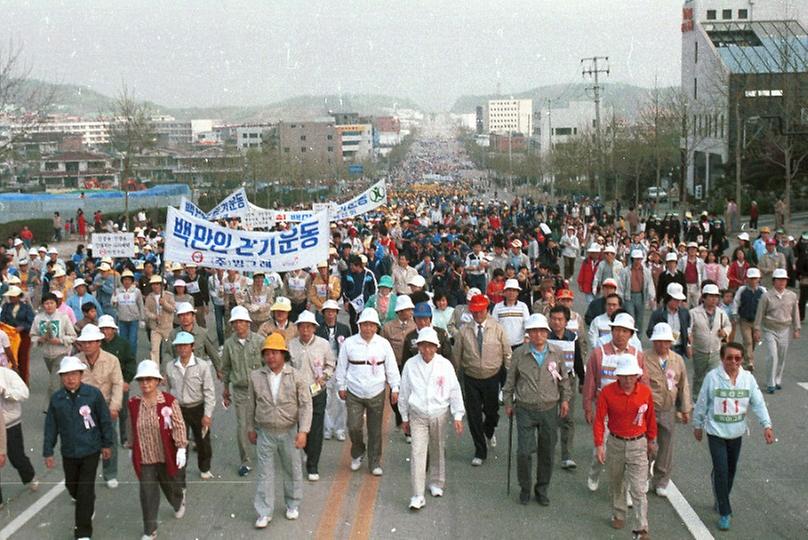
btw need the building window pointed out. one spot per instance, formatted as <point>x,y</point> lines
<point>286,149</point>
<point>710,14</point>
<point>302,137</point>
<point>329,137</point>
<point>695,88</point>
<point>743,14</point>
<point>302,148</point>
<point>330,148</point>
<point>726,14</point>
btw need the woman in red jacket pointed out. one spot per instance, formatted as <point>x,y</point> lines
<point>737,270</point>
<point>158,440</point>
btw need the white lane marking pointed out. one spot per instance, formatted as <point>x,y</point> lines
<point>692,520</point>
<point>31,511</point>
<point>803,384</point>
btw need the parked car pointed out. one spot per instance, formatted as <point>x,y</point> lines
<point>655,193</point>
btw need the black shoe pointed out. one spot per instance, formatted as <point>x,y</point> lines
<point>778,387</point>
<point>524,497</point>
<point>542,500</point>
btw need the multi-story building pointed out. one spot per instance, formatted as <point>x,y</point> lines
<point>558,125</point>
<point>387,131</point>
<point>356,141</point>
<point>80,170</point>
<point>315,141</point>
<point>251,136</point>
<point>743,62</point>
<point>172,132</point>
<point>510,116</point>
<point>94,133</point>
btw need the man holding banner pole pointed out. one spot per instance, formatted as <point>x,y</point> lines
<point>358,285</point>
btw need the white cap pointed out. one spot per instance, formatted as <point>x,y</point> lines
<point>710,288</point>
<point>753,273</point>
<point>609,249</point>
<point>71,363</point>
<point>417,281</point>
<point>404,302</point>
<point>594,248</point>
<point>53,251</point>
<point>33,251</point>
<point>239,313</point>
<point>23,261</point>
<point>609,282</point>
<point>537,320</point>
<point>17,242</point>
<point>671,256</point>
<point>41,248</point>
<point>627,365</point>
<point>743,236</point>
<point>79,281</point>
<point>545,228</point>
<point>474,291</point>
<point>90,333</point>
<point>692,245</point>
<point>512,284</point>
<point>780,273</point>
<point>428,334</point>
<point>330,304</point>
<point>185,307</point>
<point>106,321</point>
<point>662,332</point>
<point>59,272</point>
<point>675,290</point>
<point>623,320</point>
<point>307,316</point>
<point>148,369</point>
<point>180,283</point>
<point>369,315</point>
<point>637,254</point>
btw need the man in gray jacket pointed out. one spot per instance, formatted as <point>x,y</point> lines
<point>278,420</point>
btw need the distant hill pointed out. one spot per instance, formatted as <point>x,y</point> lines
<point>84,101</point>
<point>623,98</point>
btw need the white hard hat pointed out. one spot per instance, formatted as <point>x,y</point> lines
<point>623,320</point>
<point>662,332</point>
<point>428,335</point>
<point>307,316</point>
<point>369,315</point>
<point>710,288</point>
<point>780,273</point>
<point>594,248</point>
<point>753,273</point>
<point>90,333</point>
<point>417,281</point>
<point>185,307</point>
<point>71,363</point>
<point>627,365</point>
<point>637,254</point>
<point>239,313</point>
<point>671,256</point>
<point>148,369</point>
<point>79,281</point>
<point>404,302</point>
<point>537,321</point>
<point>106,321</point>
<point>676,291</point>
<point>330,304</point>
<point>512,284</point>
<point>609,249</point>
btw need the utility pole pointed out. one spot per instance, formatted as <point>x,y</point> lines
<point>550,144</point>
<point>590,68</point>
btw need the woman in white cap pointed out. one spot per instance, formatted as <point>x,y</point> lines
<point>430,392</point>
<point>159,310</point>
<point>157,437</point>
<point>129,304</point>
<point>78,415</point>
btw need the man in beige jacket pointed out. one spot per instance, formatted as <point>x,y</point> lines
<point>278,420</point>
<point>481,350</point>
<point>667,377</point>
<point>104,372</point>
<point>159,308</point>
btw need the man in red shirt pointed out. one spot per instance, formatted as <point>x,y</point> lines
<point>629,406</point>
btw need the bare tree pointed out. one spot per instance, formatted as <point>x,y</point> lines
<point>27,100</point>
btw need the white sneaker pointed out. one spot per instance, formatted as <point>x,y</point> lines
<point>327,435</point>
<point>592,483</point>
<point>292,513</point>
<point>568,464</point>
<point>112,483</point>
<point>629,502</point>
<point>262,522</point>
<point>476,462</point>
<point>416,503</point>
<point>207,475</point>
<point>356,463</point>
<point>377,471</point>
<point>313,477</point>
<point>34,485</point>
<point>436,491</point>
<point>151,536</point>
<point>493,441</point>
<point>181,512</point>
<point>661,491</point>
<point>408,439</point>
<point>340,435</point>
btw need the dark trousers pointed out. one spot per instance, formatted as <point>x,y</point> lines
<point>482,409</point>
<point>314,442</point>
<point>567,424</point>
<point>725,454</point>
<point>154,478</point>
<point>477,280</point>
<point>15,450</point>
<point>803,299</point>
<point>218,315</point>
<point>193,419</point>
<point>569,267</point>
<point>352,318</point>
<point>529,424</point>
<point>370,410</point>
<point>123,417</point>
<point>80,483</point>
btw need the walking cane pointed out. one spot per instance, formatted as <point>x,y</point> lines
<point>510,448</point>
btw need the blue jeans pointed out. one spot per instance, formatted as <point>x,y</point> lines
<point>218,312</point>
<point>128,331</point>
<point>725,454</point>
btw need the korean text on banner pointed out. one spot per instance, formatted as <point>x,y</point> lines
<point>367,201</point>
<point>190,239</point>
<point>190,208</point>
<point>113,244</point>
<point>258,217</point>
<point>234,205</point>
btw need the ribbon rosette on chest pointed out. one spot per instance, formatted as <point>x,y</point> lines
<point>552,367</point>
<point>670,375</point>
<point>640,413</point>
<point>167,413</point>
<point>340,339</point>
<point>373,363</point>
<point>87,415</point>
<point>441,382</point>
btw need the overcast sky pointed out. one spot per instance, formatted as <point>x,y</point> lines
<point>207,53</point>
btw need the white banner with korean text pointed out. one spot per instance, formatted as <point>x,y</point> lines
<point>234,205</point>
<point>192,239</point>
<point>113,244</point>
<point>190,208</point>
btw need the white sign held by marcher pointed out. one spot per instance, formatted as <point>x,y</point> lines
<point>113,244</point>
<point>191,239</point>
<point>190,208</point>
<point>234,205</point>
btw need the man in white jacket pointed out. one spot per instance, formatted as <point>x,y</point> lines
<point>429,391</point>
